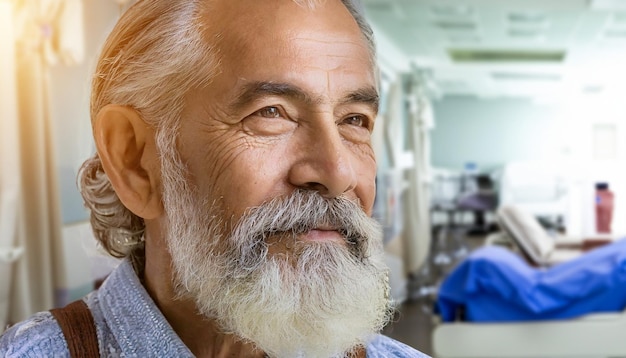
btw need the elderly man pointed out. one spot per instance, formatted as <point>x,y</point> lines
<point>235,175</point>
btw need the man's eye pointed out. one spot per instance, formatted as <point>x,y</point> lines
<point>269,121</point>
<point>269,112</point>
<point>356,120</point>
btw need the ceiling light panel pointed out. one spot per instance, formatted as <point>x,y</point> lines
<point>615,28</point>
<point>452,10</point>
<point>448,25</point>
<point>454,18</point>
<point>615,34</point>
<point>525,76</point>
<point>611,5</point>
<point>554,27</point>
<point>462,38</point>
<point>619,18</point>
<point>528,18</point>
<point>506,56</point>
<point>527,34</point>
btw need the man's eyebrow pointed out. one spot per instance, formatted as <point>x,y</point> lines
<point>365,95</point>
<point>254,90</point>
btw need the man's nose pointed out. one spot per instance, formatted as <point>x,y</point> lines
<point>324,163</point>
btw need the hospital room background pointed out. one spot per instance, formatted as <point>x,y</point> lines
<point>485,105</point>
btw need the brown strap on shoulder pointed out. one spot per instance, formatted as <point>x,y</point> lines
<point>79,329</point>
<point>359,352</point>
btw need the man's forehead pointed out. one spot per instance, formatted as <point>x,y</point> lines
<point>240,6</point>
<point>276,40</point>
<point>245,20</point>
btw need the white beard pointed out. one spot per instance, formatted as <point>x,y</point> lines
<point>321,299</point>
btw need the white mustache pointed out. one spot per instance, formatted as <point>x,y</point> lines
<point>299,213</point>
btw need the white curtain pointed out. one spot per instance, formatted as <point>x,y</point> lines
<point>421,121</point>
<point>9,162</point>
<point>409,174</point>
<point>44,32</point>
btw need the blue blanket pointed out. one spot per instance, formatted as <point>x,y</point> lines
<point>494,285</point>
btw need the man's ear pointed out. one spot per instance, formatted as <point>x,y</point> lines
<point>127,150</point>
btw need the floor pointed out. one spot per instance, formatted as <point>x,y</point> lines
<point>412,326</point>
<point>414,321</point>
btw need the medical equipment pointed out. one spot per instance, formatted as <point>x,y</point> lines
<point>604,207</point>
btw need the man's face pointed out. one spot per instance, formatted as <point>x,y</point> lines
<point>293,107</point>
<point>277,150</point>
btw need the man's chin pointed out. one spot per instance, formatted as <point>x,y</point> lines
<point>314,295</point>
<point>325,305</point>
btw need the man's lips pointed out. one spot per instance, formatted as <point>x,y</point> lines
<point>323,234</point>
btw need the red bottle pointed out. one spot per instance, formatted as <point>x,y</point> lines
<point>604,208</point>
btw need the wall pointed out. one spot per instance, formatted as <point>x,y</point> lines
<point>491,132</point>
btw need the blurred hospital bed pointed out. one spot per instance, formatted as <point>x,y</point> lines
<point>488,334</point>
<point>591,336</point>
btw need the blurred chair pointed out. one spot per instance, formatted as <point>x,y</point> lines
<point>481,200</point>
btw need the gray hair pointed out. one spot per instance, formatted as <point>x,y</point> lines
<point>152,58</point>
